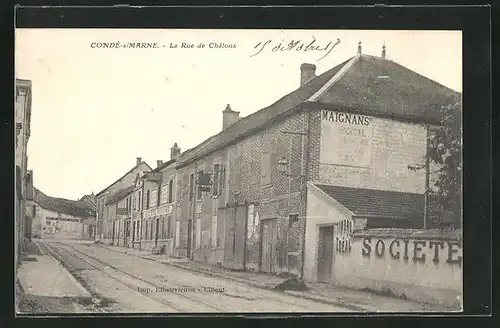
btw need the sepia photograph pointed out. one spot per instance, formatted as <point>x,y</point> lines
<point>238,171</point>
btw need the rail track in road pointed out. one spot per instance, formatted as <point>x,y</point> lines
<point>131,282</point>
<point>274,296</point>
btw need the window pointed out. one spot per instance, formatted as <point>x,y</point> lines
<point>292,220</point>
<point>199,193</point>
<point>165,194</point>
<point>177,232</point>
<point>139,198</point>
<point>198,233</point>
<point>146,231</point>
<point>34,210</point>
<point>215,187</point>
<point>191,187</point>
<point>153,198</point>
<point>266,169</point>
<point>151,230</point>
<point>171,191</point>
<point>170,227</point>
<point>214,231</point>
<point>147,199</point>
<point>163,232</point>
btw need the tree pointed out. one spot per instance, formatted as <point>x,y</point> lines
<point>445,150</point>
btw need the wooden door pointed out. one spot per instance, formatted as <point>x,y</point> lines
<point>325,253</point>
<point>269,244</point>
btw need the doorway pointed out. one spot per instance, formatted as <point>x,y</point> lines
<point>113,233</point>
<point>325,253</point>
<point>189,235</point>
<point>269,241</point>
<point>156,232</point>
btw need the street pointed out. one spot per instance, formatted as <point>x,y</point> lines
<point>119,282</point>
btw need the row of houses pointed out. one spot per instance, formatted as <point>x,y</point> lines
<point>23,181</point>
<point>58,218</point>
<point>283,189</point>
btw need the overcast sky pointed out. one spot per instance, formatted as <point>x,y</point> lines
<point>95,110</point>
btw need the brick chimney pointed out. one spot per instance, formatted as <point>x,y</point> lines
<point>159,162</point>
<point>307,72</point>
<point>229,117</point>
<point>175,152</point>
<point>138,160</point>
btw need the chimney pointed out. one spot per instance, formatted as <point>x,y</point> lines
<point>159,162</point>
<point>138,160</point>
<point>383,51</point>
<point>175,152</point>
<point>229,117</point>
<point>307,72</point>
<point>359,48</point>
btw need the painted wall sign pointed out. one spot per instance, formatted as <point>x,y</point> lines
<point>162,210</point>
<point>63,219</point>
<point>419,251</point>
<point>345,139</point>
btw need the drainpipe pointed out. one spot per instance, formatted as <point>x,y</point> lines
<point>305,177</point>
<point>141,202</point>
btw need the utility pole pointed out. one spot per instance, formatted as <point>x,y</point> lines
<point>427,178</point>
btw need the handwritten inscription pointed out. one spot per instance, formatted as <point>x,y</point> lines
<point>156,45</point>
<point>296,45</point>
<point>418,250</point>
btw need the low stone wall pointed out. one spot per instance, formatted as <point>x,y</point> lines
<point>423,265</point>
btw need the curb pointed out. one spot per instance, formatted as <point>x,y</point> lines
<point>247,282</point>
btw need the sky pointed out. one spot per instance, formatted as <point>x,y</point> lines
<point>94,110</point>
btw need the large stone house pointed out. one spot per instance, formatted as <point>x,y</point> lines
<point>327,158</point>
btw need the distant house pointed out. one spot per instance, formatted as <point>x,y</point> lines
<point>91,200</point>
<point>104,216</point>
<point>59,218</point>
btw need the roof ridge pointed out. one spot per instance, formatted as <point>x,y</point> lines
<point>142,162</point>
<point>346,67</point>
<point>192,153</point>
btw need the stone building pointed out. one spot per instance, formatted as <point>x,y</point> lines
<point>159,205</point>
<point>59,218</point>
<point>23,122</point>
<point>104,215</point>
<point>119,207</point>
<point>304,172</point>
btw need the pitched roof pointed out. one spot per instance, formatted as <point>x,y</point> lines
<point>61,205</point>
<point>371,203</point>
<point>132,169</point>
<point>90,199</point>
<point>379,86</point>
<point>164,165</point>
<point>120,194</point>
<point>258,119</point>
<point>366,84</point>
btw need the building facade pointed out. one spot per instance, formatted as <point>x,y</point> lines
<point>58,218</point>
<point>23,100</point>
<point>105,217</point>
<point>323,160</point>
<point>159,206</point>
